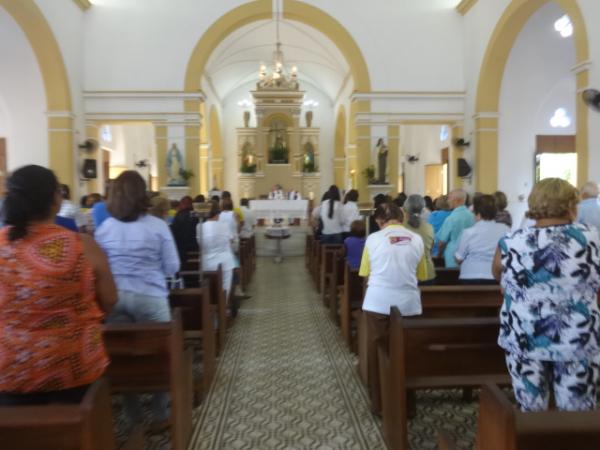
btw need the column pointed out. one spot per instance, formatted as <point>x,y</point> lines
<point>61,147</point>
<point>192,146</point>
<point>361,137</point>
<point>486,152</point>
<point>160,135</point>
<point>393,134</point>
<point>582,139</point>
<point>456,152</point>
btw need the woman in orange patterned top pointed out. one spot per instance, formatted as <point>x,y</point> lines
<point>55,286</point>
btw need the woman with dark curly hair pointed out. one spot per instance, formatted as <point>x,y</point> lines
<point>550,322</point>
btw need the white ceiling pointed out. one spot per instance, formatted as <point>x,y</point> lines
<point>236,60</point>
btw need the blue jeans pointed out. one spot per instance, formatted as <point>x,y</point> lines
<point>130,308</point>
<point>332,239</point>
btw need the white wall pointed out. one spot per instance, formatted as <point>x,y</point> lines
<point>536,82</point>
<point>422,141</point>
<point>22,98</point>
<point>132,143</point>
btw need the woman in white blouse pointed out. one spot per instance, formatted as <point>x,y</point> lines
<point>350,211</point>
<point>332,218</point>
<point>216,241</point>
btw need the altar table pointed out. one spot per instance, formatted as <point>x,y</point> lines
<point>279,209</point>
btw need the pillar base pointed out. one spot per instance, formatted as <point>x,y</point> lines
<point>175,192</point>
<point>375,189</point>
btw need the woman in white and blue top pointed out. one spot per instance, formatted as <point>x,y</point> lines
<point>550,321</point>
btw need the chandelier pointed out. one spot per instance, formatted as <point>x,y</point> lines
<point>277,76</point>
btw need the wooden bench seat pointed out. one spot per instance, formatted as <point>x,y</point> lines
<point>461,301</point>
<point>148,358</point>
<point>198,321</point>
<point>84,426</point>
<point>434,353</point>
<point>326,269</point>
<point>446,276</point>
<point>502,427</point>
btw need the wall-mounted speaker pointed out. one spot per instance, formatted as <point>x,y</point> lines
<point>464,168</point>
<point>89,169</point>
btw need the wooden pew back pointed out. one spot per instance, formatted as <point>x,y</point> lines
<point>461,301</point>
<point>85,426</point>
<point>502,427</point>
<point>150,357</point>
<point>214,279</point>
<point>446,276</point>
<point>352,296</point>
<point>328,257</point>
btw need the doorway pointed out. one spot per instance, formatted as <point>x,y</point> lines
<point>436,180</point>
<point>556,157</point>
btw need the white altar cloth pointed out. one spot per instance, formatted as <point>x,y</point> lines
<point>279,209</point>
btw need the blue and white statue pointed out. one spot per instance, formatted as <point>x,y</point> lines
<point>174,167</point>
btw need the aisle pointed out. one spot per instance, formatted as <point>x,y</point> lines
<point>286,379</point>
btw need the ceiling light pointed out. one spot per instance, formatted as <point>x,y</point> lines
<point>564,26</point>
<point>560,119</point>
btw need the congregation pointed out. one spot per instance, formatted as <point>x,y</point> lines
<point>66,270</point>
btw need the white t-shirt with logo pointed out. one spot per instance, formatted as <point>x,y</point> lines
<point>390,259</point>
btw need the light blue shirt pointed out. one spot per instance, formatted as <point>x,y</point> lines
<point>477,247</point>
<point>589,212</point>
<point>141,254</point>
<point>459,220</point>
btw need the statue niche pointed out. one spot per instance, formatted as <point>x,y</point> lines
<point>308,159</point>
<point>248,158</point>
<point>278,147</point>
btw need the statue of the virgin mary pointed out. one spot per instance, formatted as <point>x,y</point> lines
<point>174,165</point>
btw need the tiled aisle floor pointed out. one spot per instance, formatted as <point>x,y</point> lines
<point>286,379</point>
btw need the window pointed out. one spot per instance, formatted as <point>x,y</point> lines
<point>560,119</point>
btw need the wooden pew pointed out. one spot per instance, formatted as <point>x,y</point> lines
<point>328,255</point>
<point>308,251</point>
<point>336,285</point>
<point>430,354</point>
<point>445,442</point>
<point>316,268</point>
<point>198,319</point>
<point>351,300</point>
<point>214,280</point>
<point>150,358</point>
<point>502,427</point>
<point>84,426</point>
<point>446,276</point>
<point>461,301</point>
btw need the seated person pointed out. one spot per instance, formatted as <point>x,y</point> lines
<point>355,243</point>
<point>55,287</point>
<point>503,215</point>
<point>390,260</point>
<point>478,244</point>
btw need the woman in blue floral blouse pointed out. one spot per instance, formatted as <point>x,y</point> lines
<point>550,321</point>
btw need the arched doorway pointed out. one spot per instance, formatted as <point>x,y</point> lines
<point>296,11</point>
<point>58,96</point>
<point>489,88</point>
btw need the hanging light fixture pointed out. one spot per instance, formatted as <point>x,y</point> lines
<point>278,76</point>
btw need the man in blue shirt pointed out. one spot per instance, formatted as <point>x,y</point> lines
<point>588,211</point>
<point>459,220</point>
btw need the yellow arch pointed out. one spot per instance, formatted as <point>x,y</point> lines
<point>505,34</point>
<point>56,83</point>
<point>339,162</point>
<point>262,10</point>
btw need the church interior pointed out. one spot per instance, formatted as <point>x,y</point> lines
<point>275,102</point>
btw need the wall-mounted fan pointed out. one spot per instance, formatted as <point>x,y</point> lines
<point>460,142</point>
<point>90,145</point>
<point>412,158</point>
<point>591,97</point>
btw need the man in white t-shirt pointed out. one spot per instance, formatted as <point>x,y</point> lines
<point>249,221</point>
<point>390,260</point>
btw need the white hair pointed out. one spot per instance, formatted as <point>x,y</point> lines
<point>590,190</point>
<point>459,194</point>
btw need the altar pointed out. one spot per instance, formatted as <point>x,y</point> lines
<point>279,209</point>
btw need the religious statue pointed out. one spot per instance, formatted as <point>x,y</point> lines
<point>174,165</point>
<point>308,164</point>
<point>278,154</point>
<point>382,153</point>
<point>248,158</point>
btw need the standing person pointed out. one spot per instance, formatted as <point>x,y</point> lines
<point>378,200</point>
<point>142,254</point>
<point>249,222</point>
<point>331,215</point>
<point>429,208</point>
<point>459,220</point>
<point>390,260</point>
<point>68,209</point>
<point>184,228</point>
<point>413,209</point>
<point>503,215</point>
<point>437,217</point>
<point>55,287</point>
<point>315,217</point>
<point>477,245</point>
<point>159,207</point>
<point>216,241</point>
<point>589,208</point>
<point>350,211</point>
<point>550,321</point>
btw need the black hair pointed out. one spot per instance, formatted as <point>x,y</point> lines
<point>215,198</point>
<point>65,192</point>
<point>244,202</point>
<point>485,206</point>
<point>333,194</point>
<point>399,201</point>
<point>30,195</point>
<point>429,203</point>
<point>351,196</point>
<point>378,200</point>
<point>199,199</point>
